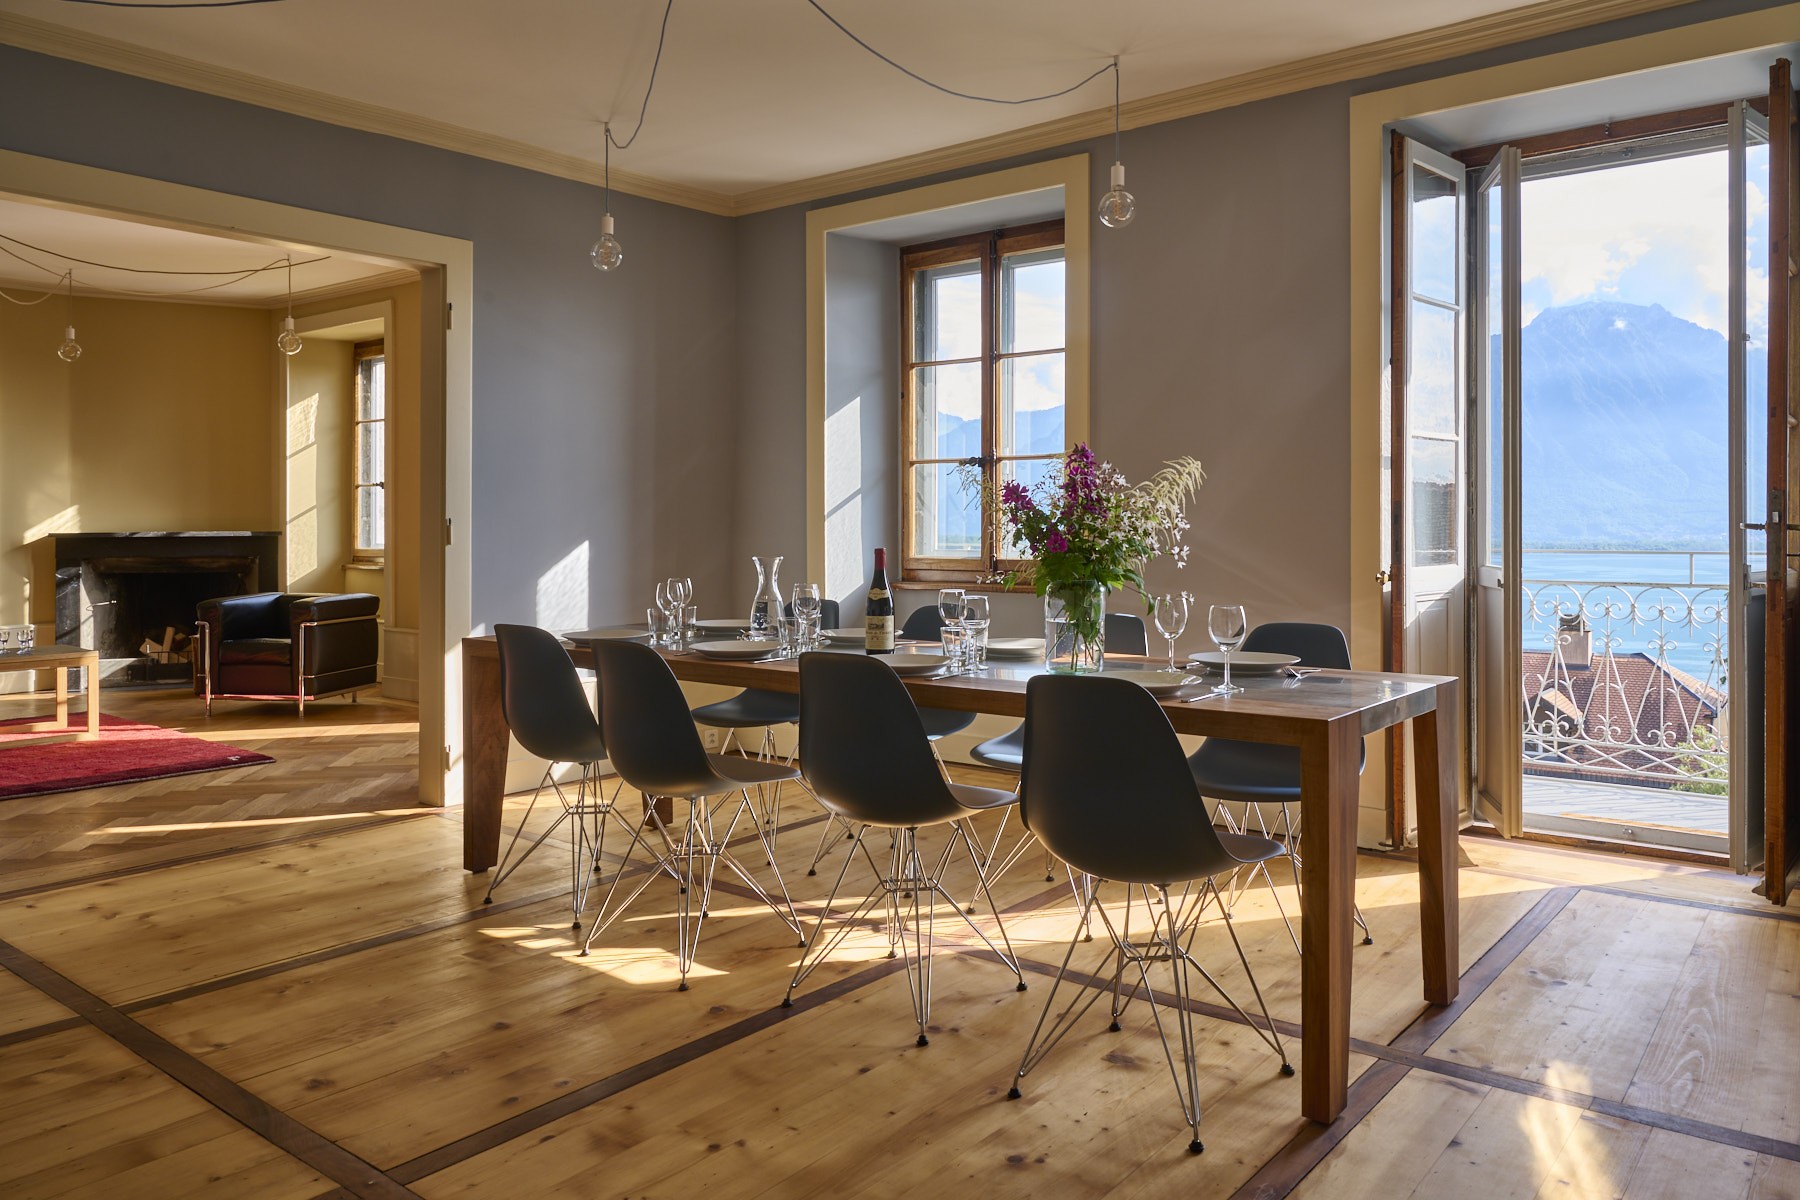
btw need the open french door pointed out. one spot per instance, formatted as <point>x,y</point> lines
<point>1428,552</point>
<point>1781,540</point>
<point>1498,603</point>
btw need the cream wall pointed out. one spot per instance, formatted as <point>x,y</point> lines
<point>400,605</point>
<point>147,431</point>
<point>318,449</point>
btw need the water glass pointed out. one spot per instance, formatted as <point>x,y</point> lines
<point>1227,626</point>
<point>956,646</point>
<point>659,623</point>
<point>687,619</point>
<point>976,619</point>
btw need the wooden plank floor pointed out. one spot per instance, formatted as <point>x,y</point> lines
<point>276,981</point>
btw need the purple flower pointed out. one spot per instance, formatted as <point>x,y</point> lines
<point>1055,542</point>
<point>1014,495</point>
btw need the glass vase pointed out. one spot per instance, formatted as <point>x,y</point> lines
<point>765,606</point>
<point>1075,627</point>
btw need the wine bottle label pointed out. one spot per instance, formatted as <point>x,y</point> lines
<point>878,635</point>
<point>878,594</point>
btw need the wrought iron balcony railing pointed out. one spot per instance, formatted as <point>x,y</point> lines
<point>1626,671</point>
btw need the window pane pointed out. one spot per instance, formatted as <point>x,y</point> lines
<point>1434,257</point>
<point>370,456</point>
<point>371,391</point>
<point>370,519</point>
<point>947,312</point>
<point>947,411</point>
<point>946,515</point>
<point>1435,537</point>
<point>1031,405</point>
<point>1431,383</point>
<point>1494,228</point>
<point>1030,472</point>
<point>1031,301</point>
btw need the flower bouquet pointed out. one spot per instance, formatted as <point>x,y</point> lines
<point>1086,531</point>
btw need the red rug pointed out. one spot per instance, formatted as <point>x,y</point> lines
<point>126,752</point>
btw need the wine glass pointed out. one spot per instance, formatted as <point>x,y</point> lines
<point>681,593</point>
<point>1171,610</point>
<point>805,607</point>
<point>1227,626</point>
<point>975,624</point>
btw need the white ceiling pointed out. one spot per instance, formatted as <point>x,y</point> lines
<point>751,93</point>
<point>38,242</point>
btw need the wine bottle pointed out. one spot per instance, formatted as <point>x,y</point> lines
<point>878,632</point>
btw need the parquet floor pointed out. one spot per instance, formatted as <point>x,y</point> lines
<point>276,981</point>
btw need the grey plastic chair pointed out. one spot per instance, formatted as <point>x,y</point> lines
<point>656,750</point>
<point>864,753</point>
<point>547,708</point>
<point>1125,634</point>
<point>1130,814</point>
<point>1254,773</point>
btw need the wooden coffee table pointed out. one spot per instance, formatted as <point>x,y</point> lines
<point>62,660</point>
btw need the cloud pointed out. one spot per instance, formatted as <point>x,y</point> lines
<point>1645,233</point>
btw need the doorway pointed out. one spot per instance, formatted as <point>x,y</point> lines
<point>1618,359</point>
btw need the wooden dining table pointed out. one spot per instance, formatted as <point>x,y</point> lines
<point>1326,714</point>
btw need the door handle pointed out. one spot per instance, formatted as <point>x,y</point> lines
<point>1384,576</point>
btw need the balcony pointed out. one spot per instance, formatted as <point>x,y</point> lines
<point>1626,707</point>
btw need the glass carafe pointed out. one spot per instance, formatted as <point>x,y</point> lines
<point>765,606</point>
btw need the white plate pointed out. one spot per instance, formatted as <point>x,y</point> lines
<point>721,624</point>
<point>737,650</point>
<point>621,633</point>
<point>1015,647</point>
<point>1157,683</point>
<point>845,636</point>
<point>1248,662</point>
<point>912,663</point>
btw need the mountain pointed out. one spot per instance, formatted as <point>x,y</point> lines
<point>1625,441</point>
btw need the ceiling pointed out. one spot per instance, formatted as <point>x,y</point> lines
<point>34,238</point>
<point>754,94</point>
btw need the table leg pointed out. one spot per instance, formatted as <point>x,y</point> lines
<point>1435,758</point>
<point>62,697</point>
<point>93,696</point>
<point>485,740</point>
<point>1328,771</point>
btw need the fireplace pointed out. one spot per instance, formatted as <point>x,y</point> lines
<point>132,596</point>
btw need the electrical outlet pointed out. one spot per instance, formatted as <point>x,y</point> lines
<point>713,738</point>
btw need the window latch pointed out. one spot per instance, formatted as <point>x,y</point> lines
<point>980,460</point>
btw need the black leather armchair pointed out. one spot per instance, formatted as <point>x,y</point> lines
<point>281,646</point>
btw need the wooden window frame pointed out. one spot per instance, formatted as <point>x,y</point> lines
<point>361,353</point>
<point>986,249</point>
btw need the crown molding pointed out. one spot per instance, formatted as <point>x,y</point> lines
<point>1339,66</point>
<point>350,287</point>
<point>45,37</point>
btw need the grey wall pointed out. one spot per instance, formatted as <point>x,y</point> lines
<point>862,365</point>
<point>604,405</point>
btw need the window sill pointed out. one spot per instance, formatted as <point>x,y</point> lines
<point>967,585</point>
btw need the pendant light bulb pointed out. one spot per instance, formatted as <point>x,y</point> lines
<point>70,350</point>
<point>287,341</point>
<point>1118,206</point>
<point>607,253</point>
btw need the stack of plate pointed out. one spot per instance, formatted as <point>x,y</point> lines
<point>620,633</point>
<point>1243,662</point>
<point>1016,648</point>
<point>1156,682</point>
<point>736,651</point>
<point>847,636</point>
<point>912,662</point>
